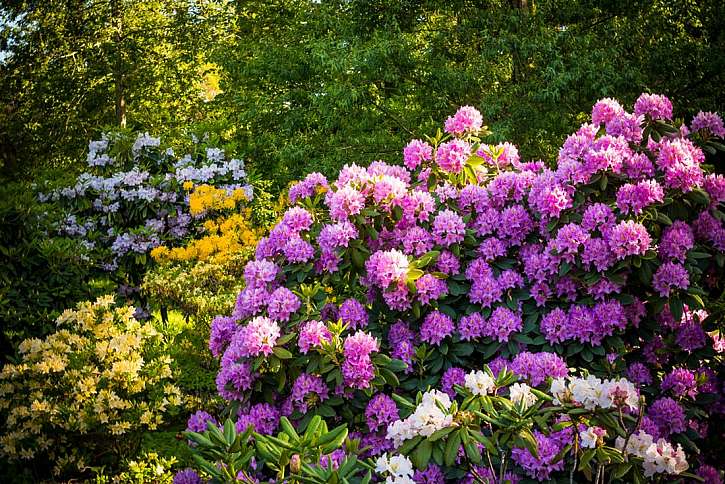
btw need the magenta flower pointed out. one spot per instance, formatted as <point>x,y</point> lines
<point>452,155</point>
<point>297,219</point>
<point>259,336</point>
<point>416,152</point>
<point>430,288</point>
<point>466,120</point>
<point>344,203</point>
<point>636,197</point>
<point>605,110</point>
<point>471,326</point>
<point>448,228</point>
<point>312,335</point>
<point>263,417</point>
<point>676,240</point>
<point>387,267</point>
<point>628,238</point>
<point>656,106</point>
<point>357,369</point>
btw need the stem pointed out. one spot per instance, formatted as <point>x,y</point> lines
<point>490,463</point>
<point>599,471</point>
<point>502,467</point>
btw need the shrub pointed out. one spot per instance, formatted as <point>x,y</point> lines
<point>202,278</point>
<point>391,280</point>
<point>86,392</point>
<point>40,275</point>
<point>133,199</point>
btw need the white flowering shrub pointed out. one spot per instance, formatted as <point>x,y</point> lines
<point>135,197</point>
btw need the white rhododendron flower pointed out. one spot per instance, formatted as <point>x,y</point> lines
<point>592,392</point>
<point>479,382</point>
<point>559,391</point>
<point>398,466</point>
<point>427,418</point>
<point>659,457</point>
<point>521,393</point>
<point>590,436</point>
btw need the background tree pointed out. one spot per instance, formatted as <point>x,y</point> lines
<point>313,85</point>
<point>72,67</point>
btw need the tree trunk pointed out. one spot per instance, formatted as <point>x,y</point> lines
<point>118,75</point>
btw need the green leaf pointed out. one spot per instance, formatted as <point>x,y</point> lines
<point>281,353</point>
<point>440,433</point>
<point>422,454</point>
<point>229,431</point>
<point>452,445</point>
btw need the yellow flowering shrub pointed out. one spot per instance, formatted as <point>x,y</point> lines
<point>224,237</point>
<point>204,198</point>
<point>87,389</point>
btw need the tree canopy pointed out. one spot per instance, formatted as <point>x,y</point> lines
<point>310,85</point>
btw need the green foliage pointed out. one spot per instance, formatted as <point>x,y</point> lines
<point>310,86</point>
<point>224,453</point>
<point>41,276</point>
<point>71,68</point>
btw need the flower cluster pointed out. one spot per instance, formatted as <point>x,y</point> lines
<point>429,416</point>
<point>100,372</point>
<point>129,203</point>
<point>393,279</point>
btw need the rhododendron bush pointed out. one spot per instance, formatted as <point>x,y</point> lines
<point>473,316</point>
<point>135,197</point>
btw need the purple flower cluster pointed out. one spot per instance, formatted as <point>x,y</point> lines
<point>436,327</point>
<point>380,412</point>
<point>681,382</point>
<point>262,416</point>
<point>430,288</point>
<point>312,183</point>
<point>358,369</point>
<point>708,122</point>
<point>668,416</point>
<point>670,275</point>
<point>312,335</point>
<point>353,313</point>
<point>187,476</point>
<point>583,323</point>
<point>308,391</point>
<point>541,466</point>
<point>537,367</point>
<point>198,421</point>
<point>636,197</point>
